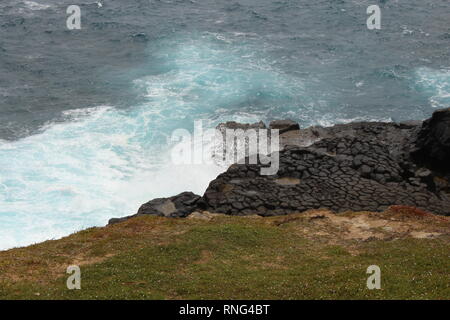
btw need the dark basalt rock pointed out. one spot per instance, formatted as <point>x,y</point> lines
<point>365,166</point>
<point>244,126</point>
<point>357,166</point>
<point>433,143</point>
<point>284,125</point>
<point>178,206</point>
<point>311,179</point>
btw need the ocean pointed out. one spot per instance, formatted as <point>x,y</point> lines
<point>86,115</point>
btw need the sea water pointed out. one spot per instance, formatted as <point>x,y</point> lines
<point>86,115</point>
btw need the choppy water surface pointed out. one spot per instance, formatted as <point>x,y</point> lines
<point>85,115</point>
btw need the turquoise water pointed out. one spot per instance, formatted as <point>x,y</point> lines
<point>86,117</point>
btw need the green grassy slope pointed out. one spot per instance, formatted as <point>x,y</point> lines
<point>221,257</point>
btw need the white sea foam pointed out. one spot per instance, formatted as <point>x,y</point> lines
<point>436,85</point>
<point>104,162</point>
<point>36,6</point>
<point>80,173</point>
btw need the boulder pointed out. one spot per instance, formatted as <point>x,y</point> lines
<point>284,125</point>
<point>179,206</point>
<point>244,126</point>
<point>433,142</point>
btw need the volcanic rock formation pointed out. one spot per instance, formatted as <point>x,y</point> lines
<point>365,166</point>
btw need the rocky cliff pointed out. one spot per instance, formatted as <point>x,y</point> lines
<point>365,166</point>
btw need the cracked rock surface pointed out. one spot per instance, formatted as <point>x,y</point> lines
<point>350,167</point>
<point>366,166</point>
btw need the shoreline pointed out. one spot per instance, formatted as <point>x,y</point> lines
<point>216,246</point>
<point>362,166</point>
<point>306,149</point>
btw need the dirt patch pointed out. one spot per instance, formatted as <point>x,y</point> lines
<point>424,235</point>
<point>287,181</point>
<point>395,223</point>
<point>83,260</point>
<point>205,257</point>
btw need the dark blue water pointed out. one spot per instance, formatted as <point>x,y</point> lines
<point>85,114</point>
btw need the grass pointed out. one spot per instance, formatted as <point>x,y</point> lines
<point>224,258</point>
